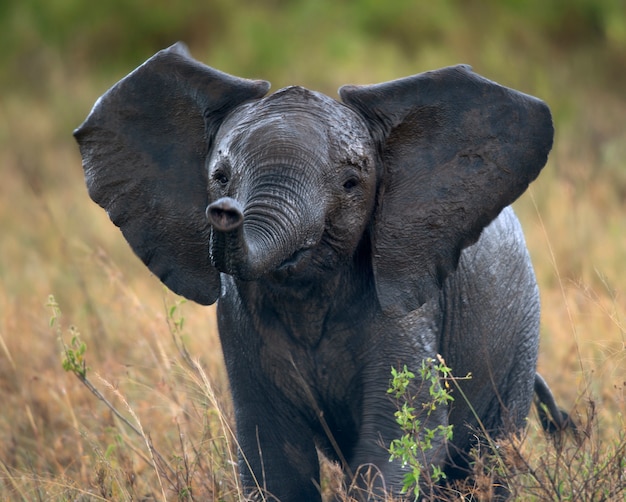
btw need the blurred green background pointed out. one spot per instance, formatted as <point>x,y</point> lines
<point>577,41</point>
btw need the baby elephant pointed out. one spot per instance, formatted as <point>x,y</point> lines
<point>341,238</point>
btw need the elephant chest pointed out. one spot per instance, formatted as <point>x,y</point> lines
<point>298,360</point>
<point>320,381</point>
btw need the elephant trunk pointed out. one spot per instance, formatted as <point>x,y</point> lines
<point>275,224</point>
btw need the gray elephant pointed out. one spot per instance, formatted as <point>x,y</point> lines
<point>341,239</point>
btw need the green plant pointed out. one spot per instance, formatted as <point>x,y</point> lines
<point>199,463</point>
<point>418,439</point>
<point>74,360</point>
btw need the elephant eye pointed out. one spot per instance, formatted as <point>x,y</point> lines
<point>221,177</point>
<point>350,183</point>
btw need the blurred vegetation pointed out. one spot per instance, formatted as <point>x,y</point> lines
<point>59,55</point>
<point>271,37</point>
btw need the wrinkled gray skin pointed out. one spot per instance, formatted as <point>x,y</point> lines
<point>341,239</point>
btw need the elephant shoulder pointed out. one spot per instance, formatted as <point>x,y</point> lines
<point>497,269</point>
<point>501,246</point>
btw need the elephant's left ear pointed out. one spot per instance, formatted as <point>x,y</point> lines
<point>144,147</point>
<point>457,149</point>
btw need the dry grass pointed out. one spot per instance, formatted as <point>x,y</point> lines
<point>59,442</point>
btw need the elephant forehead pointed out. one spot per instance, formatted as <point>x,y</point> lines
<point>297,97</point>
<point>270,121</point>
<point>296,102</point>
<point>300,119</point>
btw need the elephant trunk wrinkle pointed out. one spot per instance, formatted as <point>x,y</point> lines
<point>273,230</point>
<point>277,231</point>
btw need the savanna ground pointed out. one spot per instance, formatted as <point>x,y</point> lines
<point>165,376</point>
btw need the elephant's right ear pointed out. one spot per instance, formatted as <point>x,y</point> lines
<point>144,147</point>
<point>456,150</point>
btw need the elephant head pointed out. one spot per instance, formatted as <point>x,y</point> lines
<point>203,174</point>
<point>292,182</point>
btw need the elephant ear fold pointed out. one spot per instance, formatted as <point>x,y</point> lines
<point>456,149</point>
<point>144,147</point>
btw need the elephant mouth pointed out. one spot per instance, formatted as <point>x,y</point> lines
<point>296,261</point>
<point>295,265</point>
<point>250,263</point>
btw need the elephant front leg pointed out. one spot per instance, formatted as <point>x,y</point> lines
<point>277,461</point>
<point>374,472</point>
